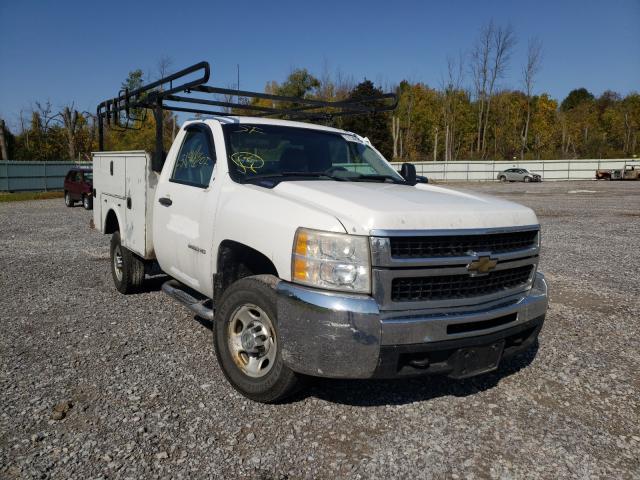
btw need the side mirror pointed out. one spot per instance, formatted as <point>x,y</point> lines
<point>408,172</point>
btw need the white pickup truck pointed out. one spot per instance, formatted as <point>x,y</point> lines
<point>313,256</point>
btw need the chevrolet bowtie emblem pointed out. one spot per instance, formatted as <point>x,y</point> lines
<point>482,265</point>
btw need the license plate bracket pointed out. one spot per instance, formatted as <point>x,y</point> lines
<point>471,361</point>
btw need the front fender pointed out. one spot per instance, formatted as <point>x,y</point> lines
<point>258,218</point>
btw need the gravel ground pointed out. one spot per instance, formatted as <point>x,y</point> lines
<point>100,385</point>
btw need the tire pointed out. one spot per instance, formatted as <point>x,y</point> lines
<point>527,179</point>
<point>67,200</point>
<point>127,269</point>
<point>87,202</point>
<point>502,178</point>
<point>248,307</point>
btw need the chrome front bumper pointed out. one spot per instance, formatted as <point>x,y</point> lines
<point>339,335</point>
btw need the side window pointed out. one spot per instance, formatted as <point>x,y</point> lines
<point>195,161</point>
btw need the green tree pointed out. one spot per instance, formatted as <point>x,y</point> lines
<point>544,126</point>
<point>374,126</point>
<point>631,113</point>
<point>134,80</point>
<point>504,141</point>
<point>7,142</point>
<point>300,83</point>
<point>575,98</point>
<point>417,121</point>
<point>140,133</point>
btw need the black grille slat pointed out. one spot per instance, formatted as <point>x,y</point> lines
<point>461,245</point>
<point>458,286</point>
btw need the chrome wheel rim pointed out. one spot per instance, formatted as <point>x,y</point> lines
<point>85,200</point>
<point>66,199</point>
<point>117,262</point>
<point>252,341</point>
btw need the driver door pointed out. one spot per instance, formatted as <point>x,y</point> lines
<point>184,210</point>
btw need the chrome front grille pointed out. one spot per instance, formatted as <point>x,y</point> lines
<point>416,289</point>
<point>430,269</point>
<point>459,245</point>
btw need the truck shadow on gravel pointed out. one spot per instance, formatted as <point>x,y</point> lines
<point>372,393</point>
<point>154,284</point>
<point>369,393</point>
<point>151,284</point>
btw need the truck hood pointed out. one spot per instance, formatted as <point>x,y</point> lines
<point>364,206</point>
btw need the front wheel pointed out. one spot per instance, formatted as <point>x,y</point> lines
<point>247,342</point>
<point>502,178</point>
<point>127,270</point>
<point>87,202</point>
<point>527,179</point>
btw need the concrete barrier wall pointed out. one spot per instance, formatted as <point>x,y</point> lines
<point>487,170</point>
<point>17,176</point>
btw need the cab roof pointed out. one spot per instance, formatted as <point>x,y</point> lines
<point>237,119</point>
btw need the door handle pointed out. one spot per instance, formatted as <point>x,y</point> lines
<point>166,201</point>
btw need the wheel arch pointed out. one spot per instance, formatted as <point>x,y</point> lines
<point>111,222</point>
<point>236,260</point>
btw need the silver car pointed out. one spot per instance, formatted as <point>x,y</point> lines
<point>518,175</point>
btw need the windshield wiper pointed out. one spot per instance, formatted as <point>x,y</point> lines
<point>296,174</point>
<point>376,176</point>
<point>316,174</point>
<point>355,177</point>
<point>352,177</point>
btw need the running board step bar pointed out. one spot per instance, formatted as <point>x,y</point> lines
<point>194,301</point>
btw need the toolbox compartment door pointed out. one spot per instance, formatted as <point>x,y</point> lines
<point>125,183</point>
<point>135,201</point>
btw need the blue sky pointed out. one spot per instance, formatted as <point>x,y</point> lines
<point>68,51</point>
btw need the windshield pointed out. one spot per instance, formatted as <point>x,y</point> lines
<point>281,153</point>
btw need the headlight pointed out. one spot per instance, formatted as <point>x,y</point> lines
<point>335,261</point>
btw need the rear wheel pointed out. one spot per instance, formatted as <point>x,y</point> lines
<point>127,269</point>
<point>247,343</point>
<point>67,200</point>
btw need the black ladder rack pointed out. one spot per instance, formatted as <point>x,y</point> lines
<point>123,110</point>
